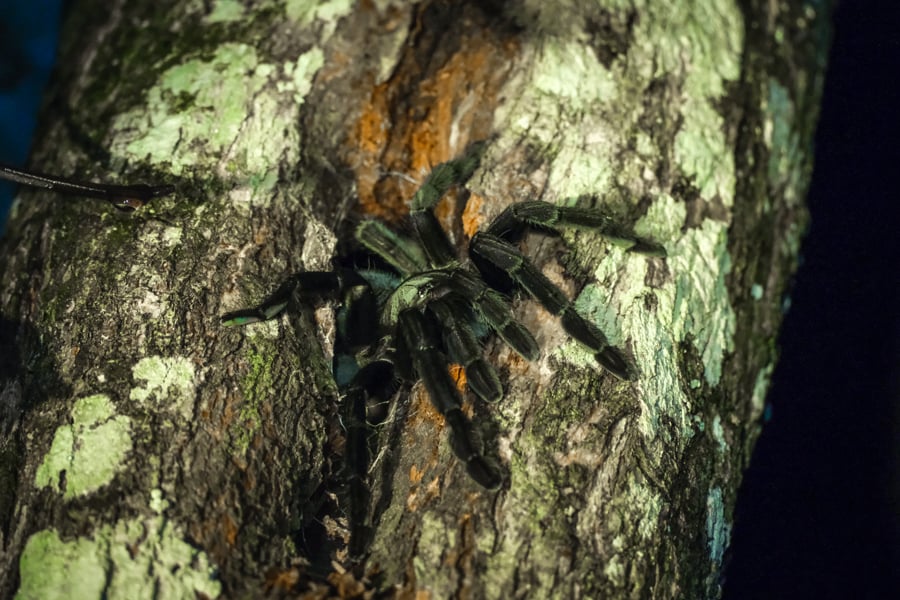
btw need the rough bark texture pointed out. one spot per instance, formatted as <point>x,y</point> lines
<point>147,449</point>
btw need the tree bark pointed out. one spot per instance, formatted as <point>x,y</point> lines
<point>148,451</point>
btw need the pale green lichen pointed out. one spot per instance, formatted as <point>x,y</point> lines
<point>257,387</point>
<point>197,99</point>
<point>329,12</point>
<point>301,72</point>
<point>718,530</point>
<point>701,42</point>
<point>638,508</point>
<point>694,305</point>
<point>225,11</point>
<point>158,503</point>
<point>434,538</point>
<point>171,236</point>
<point>614,569</point>
<point>569,70</point>
<point>584,121</point>
<point>566,84</point>
<point>225,100</point>
<point>580,173</point>
<point>719,433</point>
<point>133,560</point>
<point>170,381</point>
<point>699,302</point>
<point>783,142</point>
<point>760,388</point>
<point>51,568</point>
<point>89,452</point>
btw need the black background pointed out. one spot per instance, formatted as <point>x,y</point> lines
<point>817,515</point>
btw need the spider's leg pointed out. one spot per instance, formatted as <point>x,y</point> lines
<point>428,230</point>
<point>433,239</point>
<point>418,332</point>
<point>399,251</point>
<point>308,283</point>
<point>495,310</point>
<point>512,222</point>
<point>357,322</point>
<point>356,461</point>
<point>507,257</point>
<point>372,381</point>
<point>463,347</point>
<point>446,175</point>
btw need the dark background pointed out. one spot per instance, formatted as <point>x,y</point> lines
<point>818,515</point>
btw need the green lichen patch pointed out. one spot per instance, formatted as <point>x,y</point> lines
<point>786,159</point>
<point>301,72</point>
<point>434,538</point>
<point>133,560</point>
<point>584,117</point>
<point>163,565</point>
<point>88,452</point>
<point>305,12</point>
<point>51,568</point>
<point>719,434</point>
<point>760,387</point>
<point>569,69</point>
<point>693,304</point>
<point>718,530</point>
<point>227,101</point>
<point>198,99</point>
<point>170,381</point>
<point>257,387</point>
<point>700,43</point>
<point>226,11</point>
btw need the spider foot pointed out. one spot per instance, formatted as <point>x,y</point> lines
<point>311,284</point>
<point>446,175</point>
<point>613,361</point>
<point>463,446</point>
<point>463,347</point>
<point>429,363</point>
<point>503,255</point>
<point>512,223</point>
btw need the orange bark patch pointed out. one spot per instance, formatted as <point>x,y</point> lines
<point>281,580</point>
<point>472,217</point>
<point>230,529</point>
<point>458,373</point>
<point>427,113</point>
<point>423,409</point>
<point>415,474</point>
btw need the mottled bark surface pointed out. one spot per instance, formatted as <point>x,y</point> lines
<point>146,448</point>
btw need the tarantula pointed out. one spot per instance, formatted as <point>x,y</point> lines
<point>432,308</point>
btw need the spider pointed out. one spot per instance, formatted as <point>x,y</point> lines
<point>431,308</point>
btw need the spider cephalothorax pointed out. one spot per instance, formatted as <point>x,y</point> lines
<point>433,307</point>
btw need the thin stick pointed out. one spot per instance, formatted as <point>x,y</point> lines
<point>123,197</point>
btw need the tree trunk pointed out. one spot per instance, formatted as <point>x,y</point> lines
<point>148,451</point>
